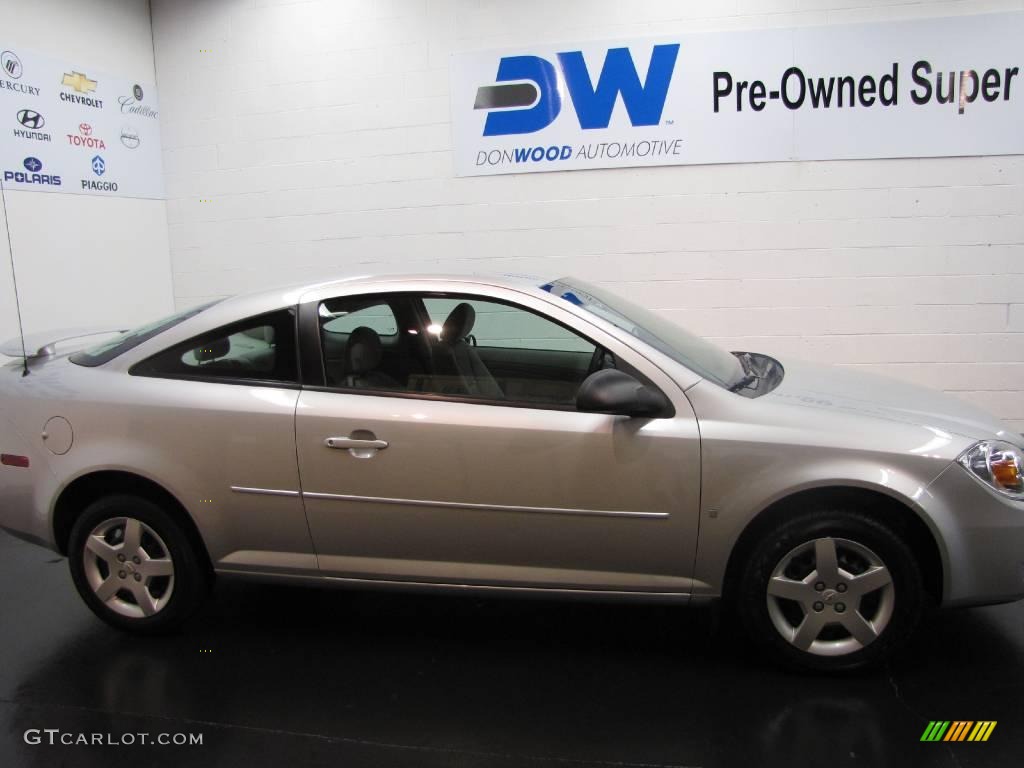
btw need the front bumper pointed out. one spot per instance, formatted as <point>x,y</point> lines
<point>981,538</point>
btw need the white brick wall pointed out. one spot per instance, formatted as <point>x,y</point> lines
<point>319,132</point>
<point>82,260</point>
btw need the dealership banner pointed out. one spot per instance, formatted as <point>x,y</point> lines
<point>66,127</point>
<point>921,88</point>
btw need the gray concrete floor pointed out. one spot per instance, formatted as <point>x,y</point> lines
<point>288,676</point>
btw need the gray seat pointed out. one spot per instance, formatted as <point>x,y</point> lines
<point>363,354</point>
<point>462,356</point>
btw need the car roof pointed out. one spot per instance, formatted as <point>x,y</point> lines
<point>295,293</point>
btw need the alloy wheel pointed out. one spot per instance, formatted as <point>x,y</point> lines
<point>128,567</point>
<point>830,597</point>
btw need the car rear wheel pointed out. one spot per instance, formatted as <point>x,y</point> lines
<point>134,566</point>
<point>831,590</point>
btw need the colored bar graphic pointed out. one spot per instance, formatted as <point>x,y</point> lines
<point>958,730</point>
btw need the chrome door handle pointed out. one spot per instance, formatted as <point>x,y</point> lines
<point>346,443</point>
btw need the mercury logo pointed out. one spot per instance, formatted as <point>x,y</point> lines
<point>11,64</point>
<point>528,96</point>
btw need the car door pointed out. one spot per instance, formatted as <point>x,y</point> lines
<point>436,479</point>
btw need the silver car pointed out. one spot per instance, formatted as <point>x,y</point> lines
<point>508,436</point>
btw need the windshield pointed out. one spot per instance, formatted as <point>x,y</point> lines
<point>108,350</point>
<point>700,356</point>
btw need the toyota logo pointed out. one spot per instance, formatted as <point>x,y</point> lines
<point>85,128</point>
<point>31,119</point>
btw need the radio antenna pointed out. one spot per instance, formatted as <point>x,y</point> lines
<point>14,281</point>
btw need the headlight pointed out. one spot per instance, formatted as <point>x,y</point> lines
<point>997,464</point>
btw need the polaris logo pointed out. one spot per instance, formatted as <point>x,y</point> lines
<point>529,93</point>
<point>33,165</point>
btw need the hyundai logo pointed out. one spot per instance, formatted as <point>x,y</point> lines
<point>98,165</point>
<point>32,164</point>
<point>31,119</point>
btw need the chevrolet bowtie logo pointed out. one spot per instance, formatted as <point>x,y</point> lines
<point>79,82</point>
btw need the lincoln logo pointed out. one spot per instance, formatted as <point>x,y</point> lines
<point>529,93</point>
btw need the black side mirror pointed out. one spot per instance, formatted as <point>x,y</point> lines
<point>612,391</point>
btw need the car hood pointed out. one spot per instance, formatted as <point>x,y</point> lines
<point>879,397</point>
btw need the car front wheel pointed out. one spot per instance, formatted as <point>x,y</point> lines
<point>831,590</point>
<point>134,566</point>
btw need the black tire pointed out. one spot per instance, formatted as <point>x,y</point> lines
<point>905,596</point>
<point>191,577</point>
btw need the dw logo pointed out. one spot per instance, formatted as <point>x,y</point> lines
<point>529,97</point>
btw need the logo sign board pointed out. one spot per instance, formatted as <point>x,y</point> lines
<point>922,88</point>
<point>55,115</point>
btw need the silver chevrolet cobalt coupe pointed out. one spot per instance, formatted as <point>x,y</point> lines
<point>511,437</point>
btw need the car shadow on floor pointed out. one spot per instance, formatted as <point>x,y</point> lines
<point>268,671</point>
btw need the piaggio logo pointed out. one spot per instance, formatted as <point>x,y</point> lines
<point>958,730</point>
<point>99,167</point>
<point>528,96</point>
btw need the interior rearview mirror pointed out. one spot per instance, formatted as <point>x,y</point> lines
<point>616,392</point>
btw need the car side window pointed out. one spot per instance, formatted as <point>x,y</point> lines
<point>260,348</point>
<point>452,345</point>
<point>509,327</point>
<point>493,350</point>
<point>377,316</point>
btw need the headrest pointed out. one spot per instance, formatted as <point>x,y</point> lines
<point>364,351</point>
<point>459,323</point>
<point>261,333</point>
<point>213,350</point>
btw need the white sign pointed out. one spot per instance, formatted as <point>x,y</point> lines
<point>65,127</point>
<point>925,88</point>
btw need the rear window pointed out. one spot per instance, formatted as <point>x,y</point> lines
<point>108,350</point>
